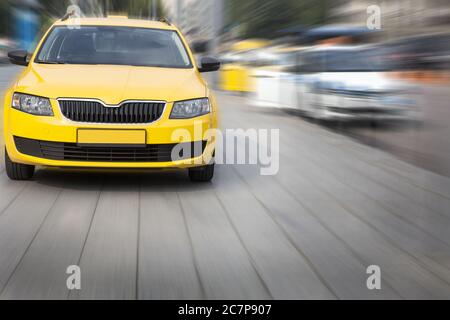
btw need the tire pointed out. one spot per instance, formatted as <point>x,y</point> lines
<point>18,171</point>
<point>202,174</point>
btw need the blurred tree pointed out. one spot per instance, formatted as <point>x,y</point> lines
<point>263,18</point>
<point>4,19</point>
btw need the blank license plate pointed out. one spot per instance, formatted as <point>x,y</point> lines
<point>117,138</point>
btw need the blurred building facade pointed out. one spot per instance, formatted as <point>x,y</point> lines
<point>199,19</point>
<point>398,17</point>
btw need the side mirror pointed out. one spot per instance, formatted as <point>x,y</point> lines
<point>19,57</point>
<point>208,64</point>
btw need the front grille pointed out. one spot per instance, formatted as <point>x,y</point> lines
<point>360,93</point>
<point>96,112</point>
<point>365,110</point>
<point>73,152</point>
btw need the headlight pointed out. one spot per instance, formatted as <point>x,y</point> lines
<point>190,108</point>
<point>32,104</point>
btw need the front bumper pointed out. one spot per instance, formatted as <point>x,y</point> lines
<point>59,130</point>
<point>333,107</point>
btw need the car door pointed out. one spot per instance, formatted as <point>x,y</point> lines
<point>306,81</point>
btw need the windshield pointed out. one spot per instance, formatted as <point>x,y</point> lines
<point>344,61</point>
<point>114,45</point>
<point>287,59</point>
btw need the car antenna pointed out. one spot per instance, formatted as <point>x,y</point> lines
<point>165,20</point>
<point>68,15</point>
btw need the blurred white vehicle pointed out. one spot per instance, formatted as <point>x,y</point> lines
<point>351,83</point>
<point>340,83</point>
<point>271,87</point>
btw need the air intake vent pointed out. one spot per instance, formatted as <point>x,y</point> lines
<point>96,112</point>
<point>73,152</point>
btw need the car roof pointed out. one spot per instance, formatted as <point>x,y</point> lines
<point>116,22</point>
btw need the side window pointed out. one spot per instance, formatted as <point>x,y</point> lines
<point>296,64</point>
<point>313,62</point>
<point>182,52</point>
<point>52,46</point>
<point>306,63</point>
<point>301,64</point>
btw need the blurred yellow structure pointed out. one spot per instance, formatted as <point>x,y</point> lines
<point>249,44</point>
<point>236,76</point>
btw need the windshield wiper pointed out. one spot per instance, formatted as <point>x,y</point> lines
<point>51,62</point>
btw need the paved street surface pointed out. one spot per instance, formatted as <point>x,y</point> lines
<point>424,144</point>
<point>335,207</point>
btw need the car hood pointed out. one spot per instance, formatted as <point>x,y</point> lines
<point>360,81</point>
<point>111,83</point>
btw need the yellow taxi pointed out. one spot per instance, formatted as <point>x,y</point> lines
<point>110,93</point>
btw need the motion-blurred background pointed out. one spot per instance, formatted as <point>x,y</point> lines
<point>320,71</point>
<point>414,30</point>
<point>255,33</point>
<point>362,66</point>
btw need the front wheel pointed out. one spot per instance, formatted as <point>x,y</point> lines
<point>18,171</point>
<point>202,174</point>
